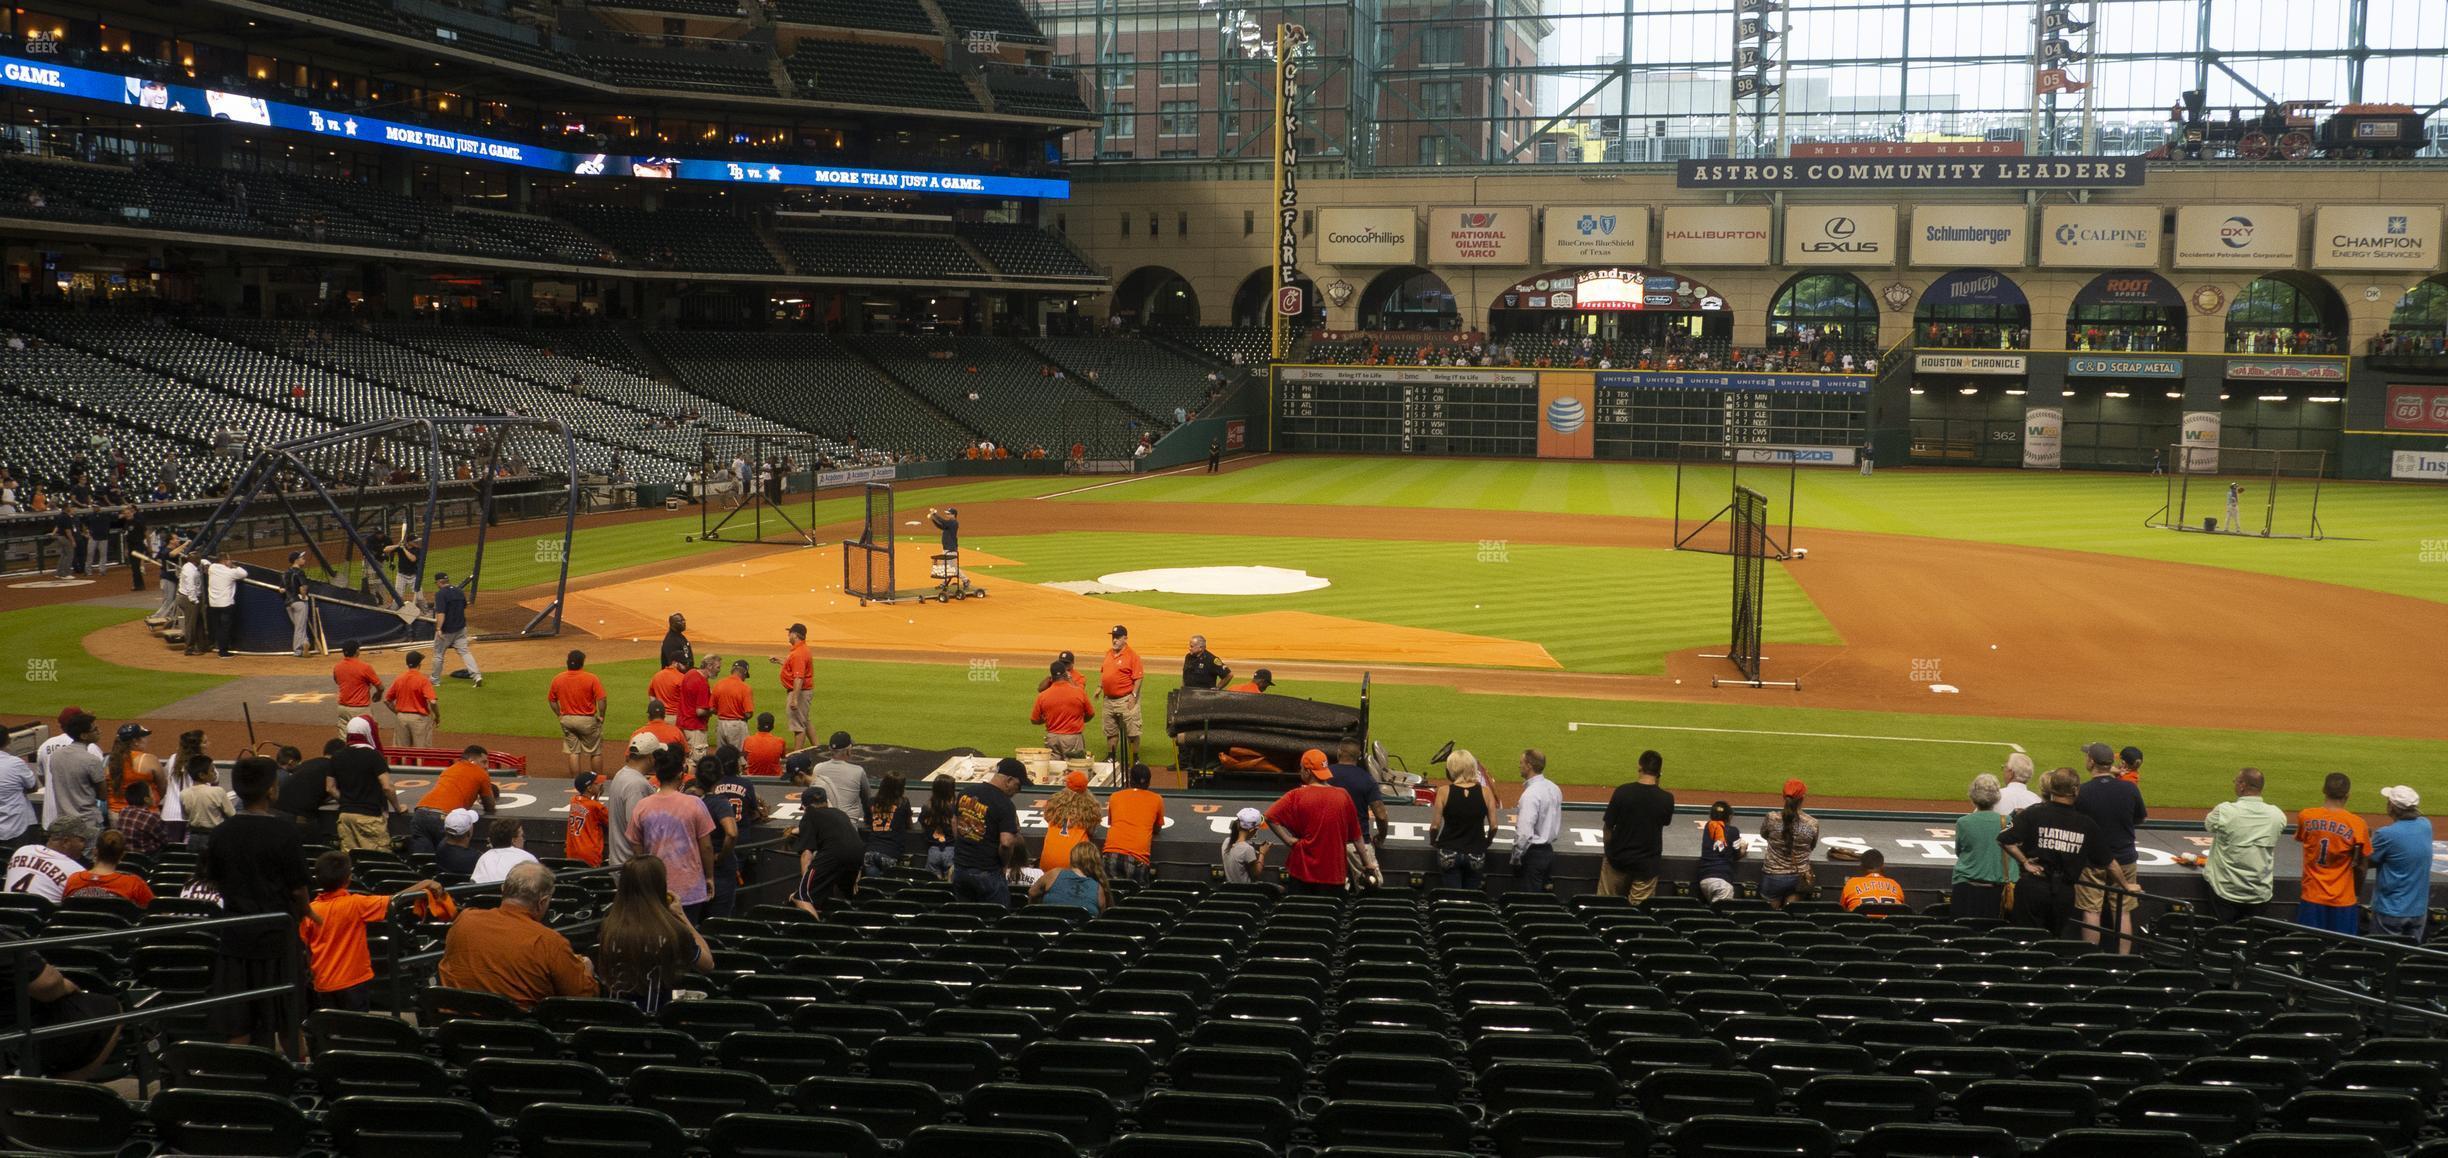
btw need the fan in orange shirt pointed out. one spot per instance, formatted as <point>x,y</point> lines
<point>414,702</point>
<point>1063,708</point>
<point>589,819</point>
<point>1259,682</point>
<point>356,682</point>
<point>104,878</point>
<point>664,688</point>
<point>799,686</point>
<point>1133,817</point>
<point>336,936</point>
<point>2336,846</point>
<point>659,727</point>
<point>762,753</point>
<point>577,700</point>
<point>1872,887</point>
<point>734,702</point>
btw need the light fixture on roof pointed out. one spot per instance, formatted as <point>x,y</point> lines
<point>2017,393</point>
<point>2175,393</point>
<point>2068,394</point>
<point>1968,390</point>
<point>2120,394</point>
<point>2273,398</point>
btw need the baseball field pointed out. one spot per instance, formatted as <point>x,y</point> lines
<point>1941,620</point>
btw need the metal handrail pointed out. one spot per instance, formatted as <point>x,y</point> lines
<point>28,1039</point>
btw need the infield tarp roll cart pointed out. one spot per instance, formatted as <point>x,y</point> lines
<point>1205,722</point>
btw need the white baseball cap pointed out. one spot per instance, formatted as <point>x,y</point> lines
<point>360,726</point>
<point>644,744</point>
<point>461,821</point>
<point>2401,796</point>
<point>1249,818</point>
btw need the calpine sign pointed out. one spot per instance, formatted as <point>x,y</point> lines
<point>1924,175</point>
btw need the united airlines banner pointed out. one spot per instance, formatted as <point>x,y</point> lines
<point>1568,419</point>
<point>2043,437</point>
<point>209,104</point>
<point>1596,235</point>
<point>1848,235</point>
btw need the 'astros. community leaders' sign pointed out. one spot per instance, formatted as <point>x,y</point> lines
<point>1940,173</point>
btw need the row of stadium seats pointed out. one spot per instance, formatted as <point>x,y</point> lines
<point>995,386</point>
<point>1150,377</point>
<point>867,15</point>
<point>811,382</point>
<point>1199,1020</point>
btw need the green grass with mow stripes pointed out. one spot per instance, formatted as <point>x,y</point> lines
<point>2381,527</point>
<point>1594,609</point>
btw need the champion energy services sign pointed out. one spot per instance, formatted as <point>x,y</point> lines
<point>1355,235</point>
<point>2405,238</point>
<point>1479,235</point>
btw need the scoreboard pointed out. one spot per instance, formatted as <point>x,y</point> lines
<point>1496,412</point>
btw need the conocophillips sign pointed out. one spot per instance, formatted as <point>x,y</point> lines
<point>1349,235</point>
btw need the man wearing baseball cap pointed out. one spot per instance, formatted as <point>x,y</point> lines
<point>829,847</point>
<point>2401,868</point>
<point>634,782</point>
<point>1118,678</point>
<point>984,826</point>
<point>2115,805</point>
<point>1320,833</point>
<point>2129,764</point>
<point>458,852</point>
<point>2058,844</point>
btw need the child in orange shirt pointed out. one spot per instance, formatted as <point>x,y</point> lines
<point>335,933</point>
<point>105,877</point>
<point>588,818</point>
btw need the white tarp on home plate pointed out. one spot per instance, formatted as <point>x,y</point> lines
<point>1203,581</point>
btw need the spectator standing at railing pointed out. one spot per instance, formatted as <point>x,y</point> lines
<point>2401,862</point>
<point>2336,847</point>
<point>2057,845</point>
<point>336,948</point>
<point>2243,842</point>
<point>221,594</point>
<point>293,600</point>
<point>258,863</point>
<point>2114,804</point>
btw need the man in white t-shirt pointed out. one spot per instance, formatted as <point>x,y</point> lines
<point>508,852</point>
<point>43,870</point>
<point>42,760</point>
<point>2016,791</point>
<point>191,605</point>
<point>221,594</point>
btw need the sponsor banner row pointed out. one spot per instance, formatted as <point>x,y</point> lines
<point>2417,408</point>
<point>1748,383</point>
<point>2287,369</point>
<point>2419,464</point>
<point>2003,364</point>
<point>1584,380</point>
<point>1412,375</point>
<point>2096,366</point>
<point>854,476</point>
<point>2238,238</point>
<point>1804,455</point>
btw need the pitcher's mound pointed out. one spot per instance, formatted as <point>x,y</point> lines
<point>1212,581</point>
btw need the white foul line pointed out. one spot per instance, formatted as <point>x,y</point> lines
<point>1577,725</point>
<point>1132,479</point>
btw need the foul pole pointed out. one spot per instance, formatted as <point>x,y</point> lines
<point>1288,303</point>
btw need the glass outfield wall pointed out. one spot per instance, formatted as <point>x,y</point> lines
<point>1407,83</point>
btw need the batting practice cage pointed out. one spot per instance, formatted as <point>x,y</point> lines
<point>363,502</point>
<point>1751,543</point>
<point>2276,493</point>
<point>1708,473</point>
<point>867,561</point>
<point>744,487</point>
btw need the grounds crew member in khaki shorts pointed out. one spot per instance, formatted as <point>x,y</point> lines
<point>1119,678</point>
<point>734,706</point>
<point>1063,708</point>
<point>357,684</point>
<point>413,702</point>
<point>577,697</point>
<point>799,686</point>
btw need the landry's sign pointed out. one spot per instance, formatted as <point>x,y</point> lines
<point>1969,363</point>
<point>2090,366</point>
<point>2286,370</point>
<point>854,476</point>
<point>1921,175</point>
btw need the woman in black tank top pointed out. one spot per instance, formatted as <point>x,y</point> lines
<point>1463,829</point>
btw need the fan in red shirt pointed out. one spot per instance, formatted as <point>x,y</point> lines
<point>696,707</point>
<point>1320,831</point>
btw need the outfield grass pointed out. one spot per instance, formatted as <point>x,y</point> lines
<point>2381,526</point>
<point>1594,609</point>
<point>47,667</point>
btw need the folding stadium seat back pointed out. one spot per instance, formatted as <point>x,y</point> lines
<point>713,1017</point>
<point>1008,1030</point>
<point>855,1025</point>
<point>504,1086</point>
<point>2271,1080</point>
<point>1265,1120</point>
<point>2113,1075</point>
<point>696,1096</point>
<point>1557,1085</point>
<point>215,1066</point>
<point>2395,1120</point>
<point>2107,1142</point>
<point>1155,1035</point>
<point>1570,1133</point>
<point>1791,1064</point>
<point>949,1064</point>
<point>1290,1008</point>
<point>2030,1110</point>
<point>1242,1070</point>
<point>1749,1034</point>
<point>1712,1135</point>
<point>377,1127</point>
<point>194,1121</point>
<point>2291,1144</point>
<point>1047,1003</point>
<point>340,1029</point>
<point>1925,1140</point>
<point>1120,1071</point>
<point>1398,1126</point>
<point>620,1050</point>
<point>1607,1024</point>
<point>1145,1144</point>
<point>784,1059</point>
<point>1851,1103</point>
<point>1083,1116</point>
<point>466,1039</point>
<point>1952,1068</point>
<point>790,1136</point>
<point>437,1004</point>
<point>570,1130</point>
<point>1267,1035</point>
<point>2216,1115</point>
<point>1635,1058</point>
<point>1180,1010</point>
<point>974,1141</point>
<point>1676,1095</point>
<point>2169,1047</point>
<point>1886,1037</point>
<point>1488,1049</point>
<point>1387,1077</point>
<point>571,1014</point>
<point>2423,1081</point>
<point>343,1073</point>
<point>2315,1054</point>
<point>2427,1050</point>
<point>64,1117</point>
<point>890,1108</point>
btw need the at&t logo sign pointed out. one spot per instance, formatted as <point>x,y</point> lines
<point>1566,415</point>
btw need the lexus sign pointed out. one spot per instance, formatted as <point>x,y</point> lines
<point>1847,235</point>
